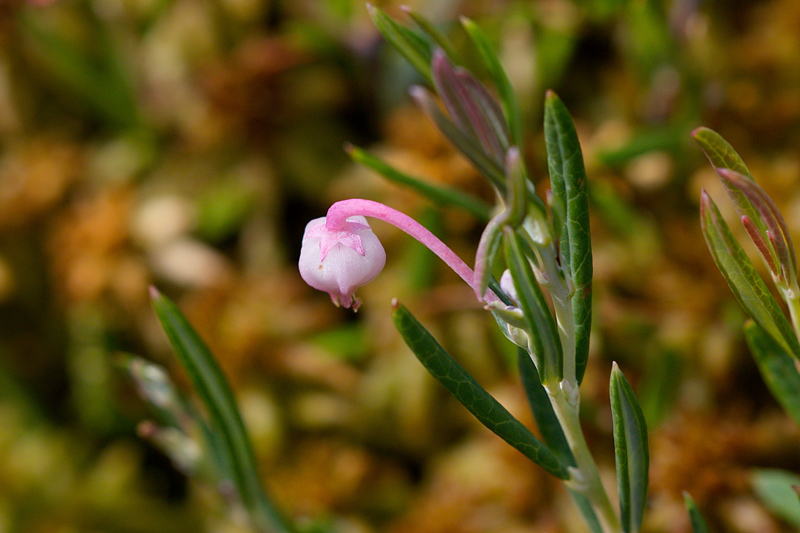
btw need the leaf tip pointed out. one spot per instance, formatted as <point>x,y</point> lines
<point>395,304</point>
<point>550,97</point>
<point>512,156</point>
<point>439,60</point>
<point>698,132</point>
<point>154,293</point>
<point>420,96</point>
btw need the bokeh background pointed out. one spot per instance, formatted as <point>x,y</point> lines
<point>185,144</point>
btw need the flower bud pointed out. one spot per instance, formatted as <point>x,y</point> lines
<point>339,261</point>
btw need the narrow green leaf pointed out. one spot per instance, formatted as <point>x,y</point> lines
<point>508,100</point>
<point>776,488</point>
<point>748,287</point>
<point>722,155</point>
<point>696,519</point>
<point>225,420</point>
<point>466,144</point>
<point>777,369</point>
<point>571,208</point>
<point>415,48</point>
<point>546,344</point>
<point>631,450</point>
<point>719,152</point>
<point>585,507</point>
<point>474,397</point>
<point>543,412</point>
<point>438,194</point>
<point>434,33</point>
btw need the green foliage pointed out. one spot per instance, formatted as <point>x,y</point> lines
<point>570,208</point>
<point>415,48</point>
<point>466,144</point>
<point>542,331</point>
<point>695,518</point>
<point>471,395</point>
<point>632,451</point>
<point>778,490</point>
<point>777,367</point>
<point>498,76</point>
<point>225,422</point>
<point>719,152</point>
<point>744,281</point>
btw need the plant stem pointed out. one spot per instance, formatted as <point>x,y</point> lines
<point>585,477</point>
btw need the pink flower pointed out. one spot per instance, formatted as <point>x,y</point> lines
<point>340,253</point>
<point>339,261</point>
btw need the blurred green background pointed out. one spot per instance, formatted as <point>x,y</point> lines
<point>185,144</point>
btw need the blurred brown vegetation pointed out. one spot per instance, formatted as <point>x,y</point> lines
<point>185,143</point>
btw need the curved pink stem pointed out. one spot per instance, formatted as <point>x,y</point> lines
<point>340,211</point>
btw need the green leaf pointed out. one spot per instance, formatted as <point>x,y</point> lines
<point>584,505</point>
<point>722,155</point>
<point>467,145</point>
<point>551,431</point>
<point>546,344</point>
<point>474,397</point>
<point>696,519</point>
<point>719,151</point>
<point>508,101</point>
<point>438,194</point>
<point>748,287</point>
<point>631,450</point>
<point>570,205</point>
<point>777,489</point>
<point>415,48</point>
<point>777,369</point>
<point>434,33</point>
<point>543,412</point>
<point>225,420</point>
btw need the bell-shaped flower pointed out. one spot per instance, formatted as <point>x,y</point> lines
<point>342,260</point>
<point>340,253</point>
